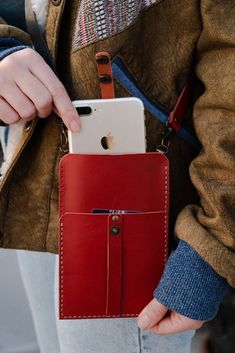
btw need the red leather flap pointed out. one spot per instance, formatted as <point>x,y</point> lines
<point>130,181</point>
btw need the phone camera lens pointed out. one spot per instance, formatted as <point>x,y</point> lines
<point>84,110</point>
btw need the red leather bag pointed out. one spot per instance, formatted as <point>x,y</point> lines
<point>110,264</point>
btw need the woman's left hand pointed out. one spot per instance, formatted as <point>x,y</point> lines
<point>157,318</point>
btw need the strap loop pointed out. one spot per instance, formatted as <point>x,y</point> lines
<point>105,75</point>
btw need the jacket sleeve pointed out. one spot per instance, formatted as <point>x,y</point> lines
<point>190,286</point>
<point>14,32</point>
<point>210,228</point>
<point>12,39</point>
<point>9,45</point>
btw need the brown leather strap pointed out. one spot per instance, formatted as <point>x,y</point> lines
<point>36,36</point>
<point>105,75</point>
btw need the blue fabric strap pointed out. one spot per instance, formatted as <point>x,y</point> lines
<point>122,75</point>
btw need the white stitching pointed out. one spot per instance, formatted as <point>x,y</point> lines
<point>61,286</point>
<point>165,212</point>
<point>97,316</point>
<point>61,270</point>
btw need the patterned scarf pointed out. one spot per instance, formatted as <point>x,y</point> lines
<point>99,19</point>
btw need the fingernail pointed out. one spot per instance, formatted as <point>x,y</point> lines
<point>143,321</point>
<point>74,126</point>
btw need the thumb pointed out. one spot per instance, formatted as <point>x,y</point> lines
<point>151,314</point>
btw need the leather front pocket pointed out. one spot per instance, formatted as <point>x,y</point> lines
<point>110,264</point>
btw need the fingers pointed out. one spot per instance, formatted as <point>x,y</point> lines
<point>36,92</point>
<point>7,114</point>
<point>153,317</point>
<point>29,86</point>
<point>175,323</point>
<point>59,95</point>
<point>151,314</point>
<point>19,102</point>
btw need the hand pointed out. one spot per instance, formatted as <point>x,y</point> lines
<point>29,88</point>
<point>159,319</point>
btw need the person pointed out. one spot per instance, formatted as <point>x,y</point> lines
<point>160,42</point>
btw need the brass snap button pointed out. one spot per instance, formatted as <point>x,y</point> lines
<point>115,230</point>
<point>115,218</point>
<point>56,2</point>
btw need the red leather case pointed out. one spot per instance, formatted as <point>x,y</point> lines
<point>110,264</point>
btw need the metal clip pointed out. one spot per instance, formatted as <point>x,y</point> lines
<point>166,140</point>
<point>64,140</point>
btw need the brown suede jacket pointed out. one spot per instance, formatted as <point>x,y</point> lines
<point>160,49</point>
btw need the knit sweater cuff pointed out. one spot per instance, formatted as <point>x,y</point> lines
<point>9,45</point>
<point>189,285</point>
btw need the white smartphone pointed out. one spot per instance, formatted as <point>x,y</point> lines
<point>109,126</point>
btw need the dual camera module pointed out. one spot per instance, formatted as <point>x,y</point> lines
<point>84,110</point>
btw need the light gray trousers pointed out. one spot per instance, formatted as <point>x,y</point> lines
<point>40,278</point>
